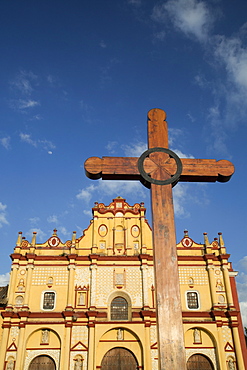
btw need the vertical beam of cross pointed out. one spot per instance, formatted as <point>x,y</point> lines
<point>168,302</point>
<point>159,168</point>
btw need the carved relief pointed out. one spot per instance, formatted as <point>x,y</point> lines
<point>19,300</point>
<point>231,363</point>
<point>103,230</point>
<point>135,231</point>
<point>78,363</point>
<point>21,286</point>
<point>120,334</point>
<point>10,364</point>
<point>45,336</point>
<point>197,336</point>
<point>219,285</point>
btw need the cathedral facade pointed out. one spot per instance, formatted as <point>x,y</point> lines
<point>89,303</point>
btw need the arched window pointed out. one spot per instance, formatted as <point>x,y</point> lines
<point>119,309</point>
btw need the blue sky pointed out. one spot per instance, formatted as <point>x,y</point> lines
<point>77,80</point>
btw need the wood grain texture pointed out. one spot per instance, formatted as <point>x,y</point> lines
<point>161,166</point>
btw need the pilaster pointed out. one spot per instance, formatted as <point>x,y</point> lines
<point>70,293</point>
<point>144,269</point>
<point>93,288</point>
<point>227,285</point>
<point>210,269</point>
<point>29,268</point>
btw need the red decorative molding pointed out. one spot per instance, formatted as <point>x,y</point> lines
<point>84,348</point>
<point>12,347</point>
<point>229,347</point>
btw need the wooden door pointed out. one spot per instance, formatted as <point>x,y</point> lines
<point>199,362</point>
<point>119,359</point>
<point>42,363</point>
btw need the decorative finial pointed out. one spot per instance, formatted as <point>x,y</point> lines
<point>206,241</point>
<point>73,237</point>
<point>33,243</point>
<point>221,241</point>
<point>19,239</point>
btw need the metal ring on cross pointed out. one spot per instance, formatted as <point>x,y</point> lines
<point>173,179</point>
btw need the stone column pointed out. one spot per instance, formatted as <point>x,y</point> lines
<point>93,288</point>
<point>227,286</point>
<point>70,294</point>
<point>222,358</point>
<point>143,239</point>
<point>109,245</point>
<point>29,268</point>
<point>12,285</point>
<point>3,345</point>
<point>91,345</point>
<point>144,269</point>
<point>237,346</point>
<point>211,277</point>
<point>146,348</point>
<point>65,349</point>
<point>95,234</point>
<point>20,349</point>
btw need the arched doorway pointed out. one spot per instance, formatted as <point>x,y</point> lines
<point>119,359</point>
<point>199,362</point>
<point>42,363</point>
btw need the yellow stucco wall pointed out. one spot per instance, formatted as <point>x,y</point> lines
<point>113,257</point>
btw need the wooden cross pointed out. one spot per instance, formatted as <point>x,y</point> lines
<point>159,169</point>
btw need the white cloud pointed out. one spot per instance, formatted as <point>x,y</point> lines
<point>5,142</point>
<point>23,104</point>
<point>86,194</point>
<point>135,2</point>
<point>121,188</point>
<point>243,309</point>
<point>27,139</point>
<point>112,189</point>
<point>134,149</point>
<point>34,220</point>
<point>102,44</point>
<point>233,54</point>
<point>3,219</point>
<point>23,82</point>
<point>63,230</point>
<point>191,17</point>
<point>242,288</point>
<point>112,146</point>
<point>41,235</point>
<point>4,279</point>
<point>228,55</point>
<point>45,144</point>
<point>179,197</point>
<point>161,35</point>
<point>37,117</point>
<point>181,154</point>
<point>242,295</point>
<point>87,212</point>
<point>52,219</point>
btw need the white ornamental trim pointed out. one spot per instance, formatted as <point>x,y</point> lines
<point>31,354</point>
<point>209,352</point>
